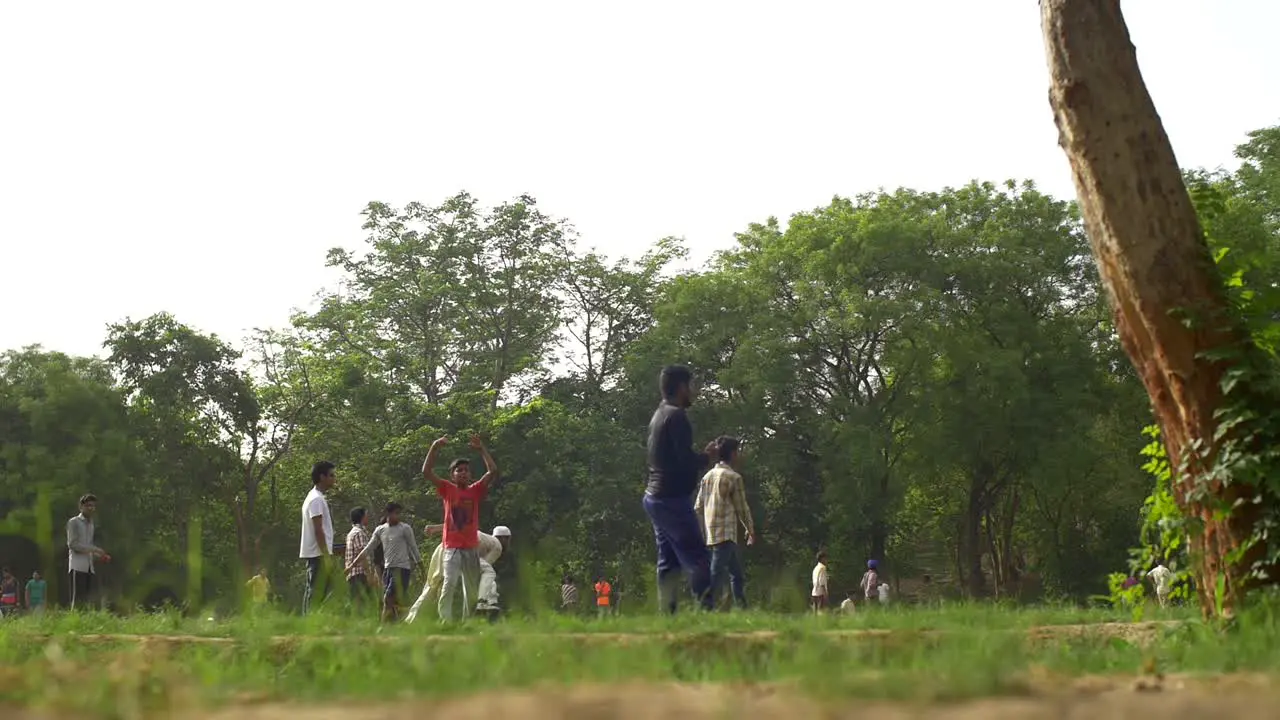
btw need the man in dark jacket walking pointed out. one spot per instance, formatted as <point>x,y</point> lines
<point>674,471</point>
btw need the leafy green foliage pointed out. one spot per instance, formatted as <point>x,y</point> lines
<point>931,379</point>
<point>1238,214</point>
<point>1164,531</point>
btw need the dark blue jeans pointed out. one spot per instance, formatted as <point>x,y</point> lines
<point>395,583</point>
<point>320,581</point>
<point>725,560</point>
<point>680,547</point>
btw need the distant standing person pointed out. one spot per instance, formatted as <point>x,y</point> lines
<point>316,549</point>
<point>722,508</point>
<point>81,552</point>
<point>37,592</point>
<point>9,600</point>
<point>259,587</point>
<point>1161,577</point>
<point>361,576</point>
<point>870,582</point>
<point>462,499</point>
<point>674,470</point>
<point>821,583</point>
<point>604,592</point>
<point>568,594</point>
<point>401,556</point>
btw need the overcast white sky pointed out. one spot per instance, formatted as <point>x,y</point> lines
<point>201,158</point>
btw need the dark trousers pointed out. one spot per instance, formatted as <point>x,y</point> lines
<point>680,546</point>
<point>725,560</point>
<point>395,583</point>
<point>319,581</point>
<point>81,590</point>
<point>359,586</point>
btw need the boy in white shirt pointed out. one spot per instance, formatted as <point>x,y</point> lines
<point>316,548</point>
<point>821,581</point>
<point>884,593</point>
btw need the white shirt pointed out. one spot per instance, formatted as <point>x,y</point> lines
<point>490,548</point>
<point>884,592</point>
<point>315,506</point>
<point>820,578</point>
<point>847,606</point>
<point>1161,576</point>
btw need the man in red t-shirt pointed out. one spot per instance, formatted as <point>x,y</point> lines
<point>462,498</point>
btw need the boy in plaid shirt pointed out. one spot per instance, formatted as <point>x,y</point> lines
<point>722,507</point>
<point>363,576</point>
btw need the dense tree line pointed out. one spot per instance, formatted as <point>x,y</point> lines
<point>928,378</point>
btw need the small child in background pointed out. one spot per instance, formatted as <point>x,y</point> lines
<point>870,582</point>
<point>883,591</point>
<point>821,580</point>
<point>259,587</point>
<point>847,607</point>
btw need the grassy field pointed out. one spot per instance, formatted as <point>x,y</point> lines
<point>158,665</point>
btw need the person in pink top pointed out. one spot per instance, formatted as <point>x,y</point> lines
<point>870,582</point>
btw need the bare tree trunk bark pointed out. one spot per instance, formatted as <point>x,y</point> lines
<point>1155,264</point>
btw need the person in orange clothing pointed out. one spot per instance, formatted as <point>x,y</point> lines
<point>603,596</point>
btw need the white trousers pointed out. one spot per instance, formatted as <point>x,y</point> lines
<point>486,594</point>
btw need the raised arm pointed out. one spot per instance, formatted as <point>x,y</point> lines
<point>490,467</point>
<point>429,465</point>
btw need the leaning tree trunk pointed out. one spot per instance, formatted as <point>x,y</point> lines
<point>1155,264</point>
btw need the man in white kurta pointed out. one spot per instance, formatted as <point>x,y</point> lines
<point>1162,578</point>
<point>491,547</point>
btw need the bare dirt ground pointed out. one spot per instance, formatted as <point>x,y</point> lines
<point>1090,698</point>
<point>1134,632</point>
<point>1044,696</point>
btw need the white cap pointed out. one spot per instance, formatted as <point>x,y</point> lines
<point>502,531</point>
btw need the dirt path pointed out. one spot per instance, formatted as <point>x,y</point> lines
<point>1138,632</point>
<point>1183,698</point>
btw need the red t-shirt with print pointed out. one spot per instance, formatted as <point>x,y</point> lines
<point>462,513</point>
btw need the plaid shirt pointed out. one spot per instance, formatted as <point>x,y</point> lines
<point>356,540</point>
<point>722,505</point>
